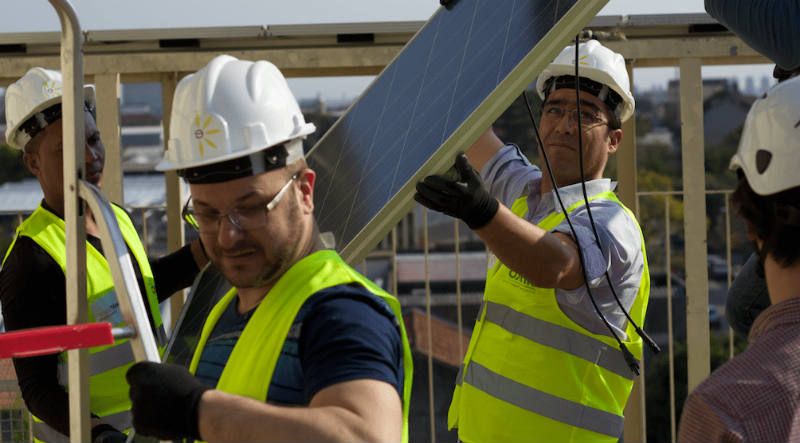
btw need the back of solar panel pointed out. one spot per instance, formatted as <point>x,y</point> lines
<point>450,82</point>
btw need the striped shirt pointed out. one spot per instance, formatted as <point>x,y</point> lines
<point>755,396</point>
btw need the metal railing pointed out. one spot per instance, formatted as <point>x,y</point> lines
<point>139,215</point>
<point>668,262</point>
<point>389,250</point>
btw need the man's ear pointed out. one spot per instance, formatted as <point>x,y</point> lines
<point>31,162</point>
<point>614,139</point>
<point>306,178</point>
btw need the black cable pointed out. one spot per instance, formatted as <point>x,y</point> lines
<point>629,359</point>
<point>650,343</point>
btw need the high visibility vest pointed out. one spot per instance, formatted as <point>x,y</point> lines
<point>532,374</point>
<point>108,389</point>
<point>260,344</point>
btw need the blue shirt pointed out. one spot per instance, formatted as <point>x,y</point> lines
<point>341,333</point>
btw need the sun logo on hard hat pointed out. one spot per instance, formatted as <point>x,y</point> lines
<point>51,89</point>
<point>582,60</point>
<point>202,133</point>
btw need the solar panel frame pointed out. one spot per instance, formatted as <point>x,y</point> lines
<point>354,247</point>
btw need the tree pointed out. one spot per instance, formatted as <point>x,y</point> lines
<point>11,166</point>
<point>653,221</point>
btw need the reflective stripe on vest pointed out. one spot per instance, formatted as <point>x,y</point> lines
<point>531,373</point>
<point>261,342</point>
<point>42,432</point>
<point>559,337</point>
<point>542,403</point>
<point>103,361</point>
<point>108,389</point>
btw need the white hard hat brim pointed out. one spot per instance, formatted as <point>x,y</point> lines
<point>598,75</point>
<point>12,135</point>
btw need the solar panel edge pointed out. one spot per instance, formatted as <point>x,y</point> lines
<point>362,243</point>
<point>471,128</point>
<point>388,65</point>
<point>515,82</point>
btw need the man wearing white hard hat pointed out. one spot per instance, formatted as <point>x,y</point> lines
<point>32,280</point>
<point>771,29</point>
<point>756,395</point>
<point>542,365</point>
<point>303,348</point>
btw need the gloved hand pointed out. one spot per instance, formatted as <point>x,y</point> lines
<point>105,433</point>
<point>464,197</point>
<point>164,400</point>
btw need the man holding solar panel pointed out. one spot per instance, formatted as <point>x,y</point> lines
<point>303,348</point>
<point>556,347</point>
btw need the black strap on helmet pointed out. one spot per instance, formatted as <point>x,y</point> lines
<point>263,161</point>
<point>40,120</point>
<point>607,95</point>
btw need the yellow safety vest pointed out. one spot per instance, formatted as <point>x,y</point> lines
<point>261,341</point>
<point>108,389</point>
<point>532,374</point>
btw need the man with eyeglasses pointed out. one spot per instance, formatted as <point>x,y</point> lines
<point>303,348</point>
<point>543,364</point>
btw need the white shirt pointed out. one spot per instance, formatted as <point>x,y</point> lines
<point>509,175</point>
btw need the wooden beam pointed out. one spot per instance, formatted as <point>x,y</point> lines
<point>295,62</point>
<point>682,47</point>
<point>108,92</point>
<point>175,196</point>
<point>626,159</point>
<point>635,417</point>
<point>694,221</point>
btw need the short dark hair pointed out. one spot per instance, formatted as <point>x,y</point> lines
<point>774,219</point>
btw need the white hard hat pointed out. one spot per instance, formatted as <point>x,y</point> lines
<point>31,96</point>
<point>597,63</point>
<point>769,149</point>
<point>231,109</point>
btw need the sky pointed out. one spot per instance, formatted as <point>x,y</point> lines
<point>38,16</point>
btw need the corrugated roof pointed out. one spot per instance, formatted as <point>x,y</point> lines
<point>140,190</point>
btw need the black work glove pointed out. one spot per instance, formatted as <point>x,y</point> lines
<point>464,197</point>
<point>105,433</point>
<point>164,400</point>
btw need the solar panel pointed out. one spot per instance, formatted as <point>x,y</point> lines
<point>450,82</point>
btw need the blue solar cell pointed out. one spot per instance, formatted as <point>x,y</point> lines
<point>460,71</point>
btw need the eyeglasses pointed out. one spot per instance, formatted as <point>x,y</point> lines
<point>244,218</point>
<point>588,118</point>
